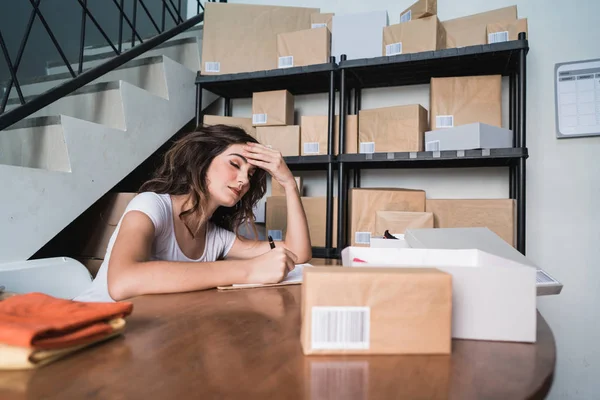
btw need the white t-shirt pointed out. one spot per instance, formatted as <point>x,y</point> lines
<point>159,208</point>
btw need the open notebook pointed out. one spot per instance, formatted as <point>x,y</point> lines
<point>293,278</point>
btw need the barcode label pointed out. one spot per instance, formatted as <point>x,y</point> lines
<point>275,234</point>
<point>259,118</point>
<point>340,327</point>
<point>498,37</point>
<point>367,147</point>
<point>311,148</point>
<point>393,49</point>
<point>286,62</point>
<point>434,145</point>
<point>407,16</point>
<point>543,278</point>
<point>444,121</point>
<point>362,237</point>
<point>318,25</point>
<point>212,67</point>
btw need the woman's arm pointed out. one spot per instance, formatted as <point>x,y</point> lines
<point>131,274</point>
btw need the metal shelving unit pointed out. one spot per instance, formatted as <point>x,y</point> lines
<point>350,77</point>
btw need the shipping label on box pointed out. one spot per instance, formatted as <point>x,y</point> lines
<point>244,123</point>
<point>272,108</point>
<point>243,38</point>
<point>425,34</point>
<point>471,30</point>
<point>400,221</point>
<point>465,100</point>
<point>285,139</point>
<point>302,48</point>
<point>410,313</point>
<point>392,129</point>
<point>420,9</point>
<point>504,31</point>
<point>493,298</point>
<point>364,204</point>
<point>321,20</point>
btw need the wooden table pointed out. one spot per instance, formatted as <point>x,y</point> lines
<point>245,344</point>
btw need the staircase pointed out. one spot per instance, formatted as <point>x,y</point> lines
<point>57,162</point>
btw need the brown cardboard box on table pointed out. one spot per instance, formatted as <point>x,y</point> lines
<point>391,129</point>
<point>313,134</point>
<point>410,311</point>
<point>420,9</point>
<point>426,34</point>
<point>285,139</point>
<point>315,209</point>
<point>498,215</point>
<point>278,190</point>
<point>471,30</point>
<point>504,31</point>
<point>301,48</point>
<point>320,20</point>
<point>364,204</point>
<point>400,221</point>
<point>243,37</point>
<point>244,123</point>
<point>464,100</point>
<point>272,108</point>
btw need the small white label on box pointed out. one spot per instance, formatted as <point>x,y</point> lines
<point>367,147</point>
<point>362,237</point>
<point>444,121</point>
<point>212,67</point>
<point>407,16</point>
<point>393,49</point>
<point>434,145</point>
<point>498,37</point>
<point>259,118</point>
<point>318,25</point>
<point>286,62</point>
<point>275,234</point>
<point>311,148</point>
<point>341,327</point>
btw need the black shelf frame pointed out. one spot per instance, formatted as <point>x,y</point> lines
<point>351,76</point>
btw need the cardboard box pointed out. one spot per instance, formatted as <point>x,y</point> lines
<point>496,214</point>
<point>493,298</point>
<point>315,209</point>
<point>409,313</point>
<point>285,139</point>
<point>420,9</point>
<point>104,223</point>
<point>358,35</point>
<point>301,48</point>
<point>320,20</point>
<point>465,100</point>
<point>243,37</point>
<point>481,239</point>
<point>392,129</point>
<point>364,204</point>
<point>278,190</point>
<point>467,137</point>
<point>400,221</point>
<point>499,32</point>
<point>272,108</point>
<point>426,34</point>
<point>471,30</point>
<point>313,134</point>
<point>244,123</point>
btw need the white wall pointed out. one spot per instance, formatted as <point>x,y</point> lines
<point>563,184</point>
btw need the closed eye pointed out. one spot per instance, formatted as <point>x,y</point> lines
<point>234,165</point>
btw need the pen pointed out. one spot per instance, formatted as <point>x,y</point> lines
<point>271,243</point>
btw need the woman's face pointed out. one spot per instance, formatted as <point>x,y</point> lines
<point>228,176</point>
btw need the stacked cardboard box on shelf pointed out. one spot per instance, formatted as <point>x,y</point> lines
<point>472,30</point>
<point>302,48</point>
<point>425,34</point>
<point>313,134</point>
<point>320,20</point>
<point>499,32</point>
<point>244,123</point>
<point>273,117</point>
<point>420,9</point>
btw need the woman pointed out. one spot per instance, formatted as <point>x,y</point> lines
<point>180,233</point>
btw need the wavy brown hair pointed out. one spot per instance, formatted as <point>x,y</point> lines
<point>183,172</point>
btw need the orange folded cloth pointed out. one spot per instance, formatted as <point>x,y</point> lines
<point>39,321</point>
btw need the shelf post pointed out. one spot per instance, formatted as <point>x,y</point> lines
<point>342,193</point>
<point>521,142</point>
<point>357,99</point>
<point>512,107</point>
<point>199,117</point>
<point>330,143</point>
<point>227,106</point>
